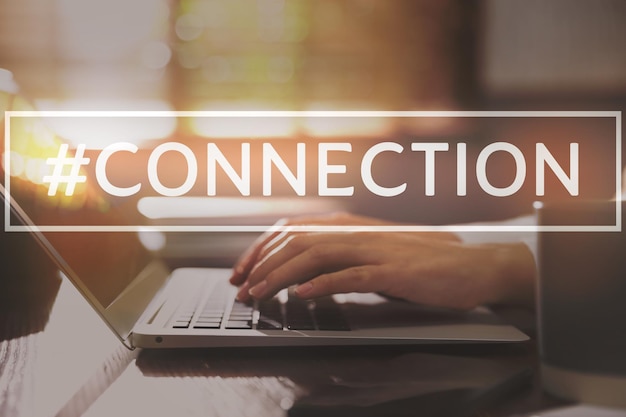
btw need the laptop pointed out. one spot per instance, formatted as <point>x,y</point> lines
<point>147,302</point>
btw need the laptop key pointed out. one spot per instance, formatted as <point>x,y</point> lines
<point>298,315</point>
<point>236,324</point>
<point>268,324</point>
<point>328,315</point>
<point>301,325</point>
<point>207,325</point>
<point>209,320</point>
<point>210,316</point>
<point>240,316</point>
<point>270,313</point>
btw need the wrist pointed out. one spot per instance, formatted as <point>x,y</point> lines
<point>513,276</point>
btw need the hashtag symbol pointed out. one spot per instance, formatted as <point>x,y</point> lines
<point>59,163</point>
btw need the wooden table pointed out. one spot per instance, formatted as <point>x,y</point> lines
<point>59,358</point>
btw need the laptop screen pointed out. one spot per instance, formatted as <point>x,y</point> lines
<point>104,262</point>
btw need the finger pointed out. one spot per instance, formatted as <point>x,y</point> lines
<point>277,241</point>
<point>266,242</point>
<point>256,251</point>
<point>259,269</point>
<point>361,278</point>
<point>358,248</point>
<point>337,218</point>
<point>271,244</point>
<point>266,264</point>
<point>244,264</point>
<point>281,271</point>
<point>289,245</point>
<point>247,260</point>
<point>273,260</point>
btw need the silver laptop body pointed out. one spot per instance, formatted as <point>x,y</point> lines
<point>141,298</point>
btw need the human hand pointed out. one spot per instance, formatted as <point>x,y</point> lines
<point>427,268</point>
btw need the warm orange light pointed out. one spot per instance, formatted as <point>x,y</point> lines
<point>98,132</point>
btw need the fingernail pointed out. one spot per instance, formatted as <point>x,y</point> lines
<point>242,295</point>
<point>257,290</point>
<point>304,289</point>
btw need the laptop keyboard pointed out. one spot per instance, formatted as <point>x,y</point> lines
<point>297,314</point>
<point>216,312</point>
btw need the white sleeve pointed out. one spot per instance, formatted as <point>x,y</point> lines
<point>529,238</point>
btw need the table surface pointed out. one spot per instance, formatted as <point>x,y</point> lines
<point>58,358</point>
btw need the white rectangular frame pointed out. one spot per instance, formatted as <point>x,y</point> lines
<point>617,227</point>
